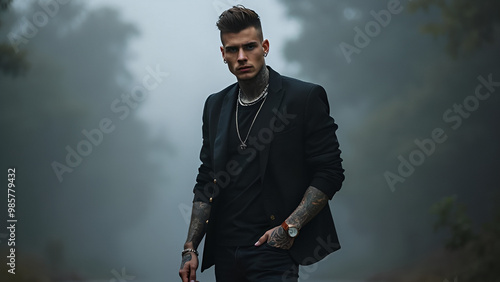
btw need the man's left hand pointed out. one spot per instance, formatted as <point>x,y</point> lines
<point>277,238</point>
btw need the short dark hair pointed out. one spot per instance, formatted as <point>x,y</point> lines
<point>237,19</point>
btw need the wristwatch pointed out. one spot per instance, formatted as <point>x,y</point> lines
<point>291,230</point>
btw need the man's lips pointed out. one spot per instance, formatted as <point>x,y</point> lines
<point>244,68</point>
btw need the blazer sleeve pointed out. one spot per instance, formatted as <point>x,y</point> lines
<point>203,187</point>
<point>321,144</point>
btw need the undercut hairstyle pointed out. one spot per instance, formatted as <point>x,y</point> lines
<point>237,19</point>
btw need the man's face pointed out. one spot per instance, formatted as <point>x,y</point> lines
<point>244,52</point>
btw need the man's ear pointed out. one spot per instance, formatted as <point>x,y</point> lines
<point>222,51</point>
<point>265,45</point>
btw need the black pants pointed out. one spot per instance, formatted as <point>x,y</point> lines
<point>259,264</point>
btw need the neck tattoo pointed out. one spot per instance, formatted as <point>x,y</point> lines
<point>252,89</point>
<point>256,100</point>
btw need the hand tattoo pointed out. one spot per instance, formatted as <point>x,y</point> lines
<point>185,258</point>
<point>279,239</point>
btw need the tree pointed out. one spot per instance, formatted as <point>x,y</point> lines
<point>467,25</point>
<point>479,251</point>
<point>11,62</point>
<point>78,62</point>
<point>390,95</point>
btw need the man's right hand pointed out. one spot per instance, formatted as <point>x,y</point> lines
<point>189,264</point>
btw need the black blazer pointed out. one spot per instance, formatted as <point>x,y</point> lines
<point>295,141</point>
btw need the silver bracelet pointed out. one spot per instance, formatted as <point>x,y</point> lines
<point>190,251</point>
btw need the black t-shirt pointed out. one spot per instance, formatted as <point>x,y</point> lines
<point>241,220</point>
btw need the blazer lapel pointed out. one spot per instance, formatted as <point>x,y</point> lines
<point>221,139</point>
<point>263,125</point>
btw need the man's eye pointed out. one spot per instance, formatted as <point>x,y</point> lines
<point>250,47</point>
<point>231,50</point>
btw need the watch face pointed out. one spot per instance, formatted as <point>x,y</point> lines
<point>293,232</point>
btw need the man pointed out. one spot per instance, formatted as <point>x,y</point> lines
<point>270,163</point>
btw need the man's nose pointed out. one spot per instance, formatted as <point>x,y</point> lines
<point>241,55</point>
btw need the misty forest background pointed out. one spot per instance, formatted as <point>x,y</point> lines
<point>122,211</point>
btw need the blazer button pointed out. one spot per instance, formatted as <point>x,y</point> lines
<point>206,221</point>
<point>272,217</point>
<point>215,181</point>
<point>211,199</point>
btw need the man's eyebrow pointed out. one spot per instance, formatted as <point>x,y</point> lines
<point>250,44</point>
<point>246,44</point>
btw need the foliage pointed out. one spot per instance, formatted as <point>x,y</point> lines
<point>480,251</point>
<point>453,216</point>
<point>11,63</point>
<point>467,25</point>
<point>4,4</point>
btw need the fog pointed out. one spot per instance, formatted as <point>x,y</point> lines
<point>100,116</point>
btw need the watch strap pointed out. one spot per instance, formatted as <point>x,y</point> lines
<point>285,226</point>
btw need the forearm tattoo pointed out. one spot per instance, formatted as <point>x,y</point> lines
<point>185,258</point>
<point>199,217</point>
<point>312,203</point>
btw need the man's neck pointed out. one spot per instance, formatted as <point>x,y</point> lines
<point>252,88</point>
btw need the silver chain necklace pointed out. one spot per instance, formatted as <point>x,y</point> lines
<point>261,96</point>
<point>243,144</point>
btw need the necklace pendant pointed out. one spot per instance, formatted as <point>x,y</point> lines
<point>243,146</point>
